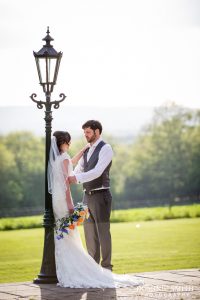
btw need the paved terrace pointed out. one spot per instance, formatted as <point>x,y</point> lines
<point>175,284</point>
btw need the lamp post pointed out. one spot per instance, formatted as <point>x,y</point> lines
<point>48,62</point>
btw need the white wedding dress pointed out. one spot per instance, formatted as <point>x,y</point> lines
<point>75,268</point>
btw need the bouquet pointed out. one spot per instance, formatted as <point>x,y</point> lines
<point>65,224</point>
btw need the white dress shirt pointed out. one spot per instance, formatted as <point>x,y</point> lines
<point>105,157</point>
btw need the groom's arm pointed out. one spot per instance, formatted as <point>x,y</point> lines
<point>79,167</point>
<point>105,157</point>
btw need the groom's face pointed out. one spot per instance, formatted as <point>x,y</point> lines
<point>91,135</point>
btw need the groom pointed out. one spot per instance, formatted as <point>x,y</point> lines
<point>92,171</point>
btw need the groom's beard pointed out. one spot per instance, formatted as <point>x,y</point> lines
<point>91,139</point>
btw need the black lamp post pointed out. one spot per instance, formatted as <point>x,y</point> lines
<point>48,62</point>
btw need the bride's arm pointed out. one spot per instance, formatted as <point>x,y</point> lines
<point>69,200</point>
<point>76,158</point>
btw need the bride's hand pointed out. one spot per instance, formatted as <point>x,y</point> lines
<point>76,158</point>
<point>71,208</point>
<point>85,147</point>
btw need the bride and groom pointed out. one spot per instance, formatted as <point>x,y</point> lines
<point>75,267</point>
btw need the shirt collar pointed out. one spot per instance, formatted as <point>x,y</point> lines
<point>96,143</point>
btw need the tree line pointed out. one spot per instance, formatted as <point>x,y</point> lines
<point>160,167</point>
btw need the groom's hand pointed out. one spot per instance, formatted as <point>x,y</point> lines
<point>72,179</point>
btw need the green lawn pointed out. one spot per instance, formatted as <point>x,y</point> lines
<point>137,247</point>
<point>155,213</point>
<point>117,216</point>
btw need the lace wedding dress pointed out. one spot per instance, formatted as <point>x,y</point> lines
<point>74,266</point>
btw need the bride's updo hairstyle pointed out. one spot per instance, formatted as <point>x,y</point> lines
<point>62,137</point>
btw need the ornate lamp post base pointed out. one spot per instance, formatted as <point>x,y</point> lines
<point>48,269</point>
<point>43,279</point>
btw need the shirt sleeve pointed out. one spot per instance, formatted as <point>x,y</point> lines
<point>105,157</point>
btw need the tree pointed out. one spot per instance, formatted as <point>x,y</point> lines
<point>160,159</point>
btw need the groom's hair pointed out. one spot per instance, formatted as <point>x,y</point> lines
<point>93,124</point>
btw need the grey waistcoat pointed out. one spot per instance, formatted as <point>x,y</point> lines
<point>102,180</point>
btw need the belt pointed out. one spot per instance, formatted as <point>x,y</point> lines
<point>95,191</point>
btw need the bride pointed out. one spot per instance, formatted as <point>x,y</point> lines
<point>75,268</point>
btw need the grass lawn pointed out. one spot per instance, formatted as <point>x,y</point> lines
<point>117,216</point>
<point>137,247</point>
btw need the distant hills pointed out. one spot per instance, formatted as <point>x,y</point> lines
<point>117,121</point>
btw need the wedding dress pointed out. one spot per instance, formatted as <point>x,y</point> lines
<point>75,268</point>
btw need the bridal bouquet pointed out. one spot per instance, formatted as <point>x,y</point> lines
<point>64,225</point>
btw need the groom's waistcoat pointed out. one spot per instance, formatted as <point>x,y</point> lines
<point>102,180</point>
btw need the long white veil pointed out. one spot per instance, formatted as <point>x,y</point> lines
<point>56,171</point>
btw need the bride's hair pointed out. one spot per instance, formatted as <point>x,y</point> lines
<point>62,137</point>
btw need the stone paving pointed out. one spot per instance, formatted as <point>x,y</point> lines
<point>175,284</point>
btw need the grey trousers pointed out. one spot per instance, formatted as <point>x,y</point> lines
<point>97,227</point>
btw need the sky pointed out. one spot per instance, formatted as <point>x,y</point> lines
<point>115,52</point>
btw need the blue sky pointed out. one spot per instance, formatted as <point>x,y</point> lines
<point>115,52</point>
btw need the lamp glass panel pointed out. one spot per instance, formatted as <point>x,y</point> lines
<point>51,66</point>
<point>42,66</point>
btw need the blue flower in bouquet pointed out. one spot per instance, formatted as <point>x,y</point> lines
<point>59,237</point>
<point>64,230</point>
<point>75,217</point>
